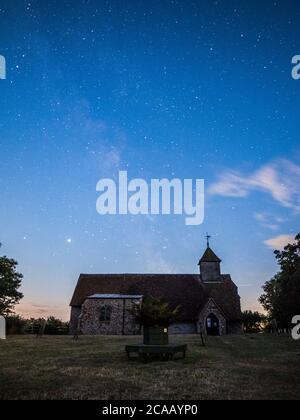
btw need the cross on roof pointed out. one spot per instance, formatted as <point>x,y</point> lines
<point>207,238</point>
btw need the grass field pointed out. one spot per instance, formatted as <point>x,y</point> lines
<point>233,367</point>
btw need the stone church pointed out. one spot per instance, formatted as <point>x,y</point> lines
<point>208,301</point>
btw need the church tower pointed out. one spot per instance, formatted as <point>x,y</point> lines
<point>210,265</point>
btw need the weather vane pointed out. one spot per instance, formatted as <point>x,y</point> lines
<point>207,238</point>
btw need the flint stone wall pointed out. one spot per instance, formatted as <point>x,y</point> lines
<point>212,308</point>
<point>90,323</point>
<point>75,313</point>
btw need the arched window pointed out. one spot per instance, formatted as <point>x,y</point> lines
<point>105,313</point>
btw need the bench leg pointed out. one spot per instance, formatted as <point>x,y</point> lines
<point>145,358</point>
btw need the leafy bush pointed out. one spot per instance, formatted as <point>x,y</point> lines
<point>254,322</point>
<point>17,325</point>
<point>56,327</point>
<point>154,313</point>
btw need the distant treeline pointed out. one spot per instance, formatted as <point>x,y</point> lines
<point>15,324</point>
<point>254,322</point>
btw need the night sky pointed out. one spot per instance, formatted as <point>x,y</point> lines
<point>185,89</point>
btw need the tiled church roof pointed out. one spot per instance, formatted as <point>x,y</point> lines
<point>209,256</point>
<point>187,291</point>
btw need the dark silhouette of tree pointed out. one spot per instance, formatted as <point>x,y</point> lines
<point>154,313</point>
<point>10,282</point>
<point>253,321</point>
<point>55,326</point>
<point>281,298</point>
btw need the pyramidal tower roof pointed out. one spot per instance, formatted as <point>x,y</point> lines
<point>209,256</point>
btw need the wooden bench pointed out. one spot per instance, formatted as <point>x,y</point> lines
<point>148,353</point>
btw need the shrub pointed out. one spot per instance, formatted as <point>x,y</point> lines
<point>253,322</point>
<point>51,326</point>
<point>154,313</point>
<point>15,324</point>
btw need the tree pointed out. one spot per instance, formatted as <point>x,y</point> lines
<point>281,298</point>
<point>154,313</point>
<point>10,282</point>
<point>15,324</point>
<point>55,326</point>
<point>51,326</point>
<point>253,321</point>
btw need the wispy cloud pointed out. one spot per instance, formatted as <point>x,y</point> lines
<point>280,179</point>
<point>269,221</point>
<point>279,242</point>
<point>29,309</point>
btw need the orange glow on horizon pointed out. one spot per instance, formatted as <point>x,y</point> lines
<point>31,310</point>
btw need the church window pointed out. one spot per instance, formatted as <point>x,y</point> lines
<point>105,313</point>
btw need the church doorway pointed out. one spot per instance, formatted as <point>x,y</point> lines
<point>212,325</point>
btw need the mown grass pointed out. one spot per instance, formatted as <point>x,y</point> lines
<point>232,367</point>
